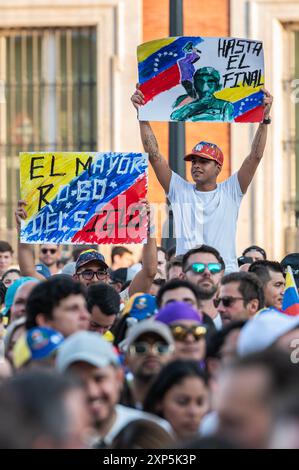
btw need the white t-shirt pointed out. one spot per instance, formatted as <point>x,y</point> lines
<point>124,295</point>
<point>206,217</point>
<point>218,321</point>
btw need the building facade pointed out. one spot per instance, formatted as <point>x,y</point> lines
<point>68,69</point>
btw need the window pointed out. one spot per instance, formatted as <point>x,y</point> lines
<point>50,81</point>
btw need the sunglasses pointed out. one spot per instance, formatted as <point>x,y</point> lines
<point>48,250</point>
<point>227,301</point>
<point>88,274</point>
<point>198,268</point>
<point>180,332</point>
<point>141,348</point>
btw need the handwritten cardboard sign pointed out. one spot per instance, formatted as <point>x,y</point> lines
<point>201,79</point>
<point>83,197</point>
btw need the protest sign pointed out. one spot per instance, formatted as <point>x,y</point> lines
<point>201,79</point>
<point>83,197</point>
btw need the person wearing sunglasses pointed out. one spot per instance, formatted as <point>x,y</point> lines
<point>187,328</point>
<point>204,211</point>
<point>92,268</point>
<point>49,255</point>
<point>240,297</point>
<point>204,267</point>
<point>148,347</point>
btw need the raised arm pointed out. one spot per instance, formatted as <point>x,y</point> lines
<point>250,164</point>
<point>25,251</point>
<point>150,145</point>
<point>143,280</point>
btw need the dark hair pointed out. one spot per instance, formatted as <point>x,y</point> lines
<point>262,269</point>
<point>176,284</point>
<point>36,400</point>
<point>9,271</point>
<point>202,249</point>
<point>172,263</point>
<point>255,248</point>
<point>120,251</point>
<point>217,339</point>
<point>5,246</point>
<point>3,290</point>
<point>171,252</point>
<point>143,434</point>
<point>172,374</point>
<point>160,248</point>
<point>119,329</point>
<point>105,297</point>
<point>250,287</point>
<point>159,282</point>
<point>48,294</point>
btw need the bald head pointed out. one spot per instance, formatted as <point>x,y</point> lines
<point>18,308</point>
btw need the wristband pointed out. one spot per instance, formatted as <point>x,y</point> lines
<point>266,120</point>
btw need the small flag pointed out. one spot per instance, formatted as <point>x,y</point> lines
<point>290,303</point>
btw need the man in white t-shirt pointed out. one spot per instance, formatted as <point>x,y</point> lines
<point>206,212</point>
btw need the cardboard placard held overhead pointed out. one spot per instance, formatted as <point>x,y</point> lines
<point>201,79</point>
<point>82,197</point>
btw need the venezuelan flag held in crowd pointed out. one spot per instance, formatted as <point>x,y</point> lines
<point>290,303</point>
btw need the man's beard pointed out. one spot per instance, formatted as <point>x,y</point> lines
<point>206,294</point>
<point>145,377</point>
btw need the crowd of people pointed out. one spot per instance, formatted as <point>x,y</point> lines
<point>185,348</point>
<point>176,354</point>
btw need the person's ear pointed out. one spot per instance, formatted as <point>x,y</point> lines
<point>116,258</point>
<point>218,169</point>
<point>182,275</point>
<point>41,320</point>
<point>252,307</point>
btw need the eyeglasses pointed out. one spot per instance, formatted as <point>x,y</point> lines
<point>50,250</point>
<point>88,274</point>
<point>141,348</point>
<point>227,301</point>
<point>180,332</point>
<point>198,268</point>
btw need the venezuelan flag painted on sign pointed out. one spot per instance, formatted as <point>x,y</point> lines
<point>290,304</point>
<point>158,64</point>
<point>166,69</point>
<point>83,197</point>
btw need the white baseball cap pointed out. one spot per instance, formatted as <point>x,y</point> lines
<point>263,330</point>
<point>85,346</point>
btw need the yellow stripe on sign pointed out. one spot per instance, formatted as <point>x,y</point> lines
<point>57,173</point>
<point>149,48</point>
<point>236,94</point>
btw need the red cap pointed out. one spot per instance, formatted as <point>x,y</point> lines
<point>206,150</point>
